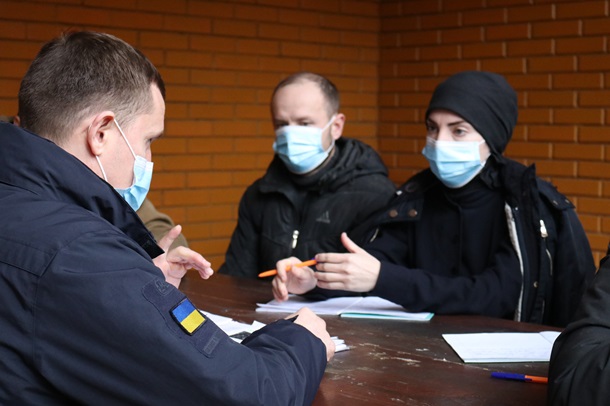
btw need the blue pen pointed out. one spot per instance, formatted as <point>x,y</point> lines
<point>520,377</point>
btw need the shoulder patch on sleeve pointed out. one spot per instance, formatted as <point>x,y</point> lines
<point>187,316</point>
<point>183,318</point>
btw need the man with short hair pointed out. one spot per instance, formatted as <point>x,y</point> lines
<point>317,186</point>
<point>86,311</point>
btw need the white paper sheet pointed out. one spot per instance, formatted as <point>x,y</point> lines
<point>238,331</point>
<point>503,347</point>
<point>352,306</point>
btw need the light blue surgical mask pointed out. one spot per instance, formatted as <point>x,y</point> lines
<point>300,147</point>
<point>142,176</point>
<point>455,163</point>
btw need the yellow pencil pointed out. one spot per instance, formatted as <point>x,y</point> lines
<point>274,271</point>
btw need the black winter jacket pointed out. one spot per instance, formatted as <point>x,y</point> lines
<point>579,371</point>
<point>537,273</point>
<point>87,318</point>
<point>279,218</point>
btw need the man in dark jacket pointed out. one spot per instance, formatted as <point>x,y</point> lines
<point>86,313</point>
<point>476,233</point>
<point>317,186</point>
<point>579,371</point>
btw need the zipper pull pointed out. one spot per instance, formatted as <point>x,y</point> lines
<point>295,238</point>
<point>543,231</point>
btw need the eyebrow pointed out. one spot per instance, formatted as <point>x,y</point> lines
<point>454,123</point>
<point>458,123</point>
<point>297,119</point>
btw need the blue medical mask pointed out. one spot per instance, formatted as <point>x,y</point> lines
<point>455,163</point>
<point>300,147</point>
<point>142,176</point>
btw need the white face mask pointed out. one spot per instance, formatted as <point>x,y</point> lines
<point>300,147</point>
<point>454,163</point>
<point>142,176</point>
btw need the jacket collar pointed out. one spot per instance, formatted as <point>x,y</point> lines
<point>39,166</point>
<point>354,159</point>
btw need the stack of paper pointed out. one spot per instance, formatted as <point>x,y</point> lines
<point>503,347</point>
<point>238,331</point>
<point>234,329</point>
<point>339,344</point>
<point>371,307</point>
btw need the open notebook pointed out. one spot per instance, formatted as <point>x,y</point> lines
<point>371,307</point>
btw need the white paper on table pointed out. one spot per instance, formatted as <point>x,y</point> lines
<point>232,327</point>
<point>371,307</point>
<point>503,347</point>
<point>238,331</point>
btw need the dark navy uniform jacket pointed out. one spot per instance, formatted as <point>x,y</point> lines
<point>85,316</point>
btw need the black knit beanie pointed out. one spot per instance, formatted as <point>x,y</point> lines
<point>485,100</point>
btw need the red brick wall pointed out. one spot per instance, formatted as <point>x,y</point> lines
<point>221,59</point>
<point>555,54</point>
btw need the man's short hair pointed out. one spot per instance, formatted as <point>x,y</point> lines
<point>328,88</point>
<point>81,73</point>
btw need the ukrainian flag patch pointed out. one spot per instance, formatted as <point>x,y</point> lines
<point>187,316</point>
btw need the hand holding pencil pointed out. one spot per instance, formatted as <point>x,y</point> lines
<point>272,272</point>
<point>293,276</point>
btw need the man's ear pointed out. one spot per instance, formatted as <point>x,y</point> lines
<point>97,139</point>
<point>336,128</point>
<point>17,121</point>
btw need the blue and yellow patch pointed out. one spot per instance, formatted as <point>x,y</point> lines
<point>187,316</point>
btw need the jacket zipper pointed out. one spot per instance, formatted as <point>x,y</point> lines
<point>544,233</point>
<point>295,238</point>
<point>512,216</point>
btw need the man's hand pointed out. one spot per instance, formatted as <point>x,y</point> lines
<point>298,280</point>
<point>176,262</point>
<point>317,327</point>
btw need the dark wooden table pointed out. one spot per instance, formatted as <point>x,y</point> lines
<point>389,362</point>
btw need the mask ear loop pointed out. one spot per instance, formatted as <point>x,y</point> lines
<point>125,138</point>
<point>101,167</point>
<point>332,144</point>
<point>485,161</point>
<point>329,122</point>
